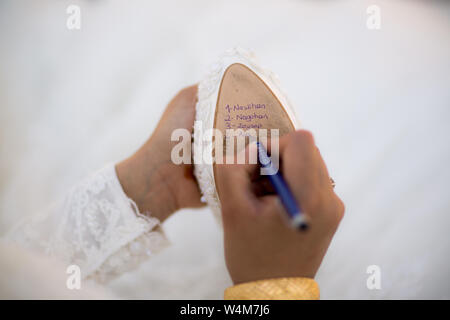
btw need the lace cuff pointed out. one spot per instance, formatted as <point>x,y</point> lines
<point>96,227</point>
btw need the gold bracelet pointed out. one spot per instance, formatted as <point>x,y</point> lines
<point>275,289</point>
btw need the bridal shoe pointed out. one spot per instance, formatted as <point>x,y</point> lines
<point>236,93</point>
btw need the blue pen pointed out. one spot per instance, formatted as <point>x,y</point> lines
<point>296,216</point>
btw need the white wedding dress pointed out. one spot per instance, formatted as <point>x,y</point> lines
<point>96,227</point>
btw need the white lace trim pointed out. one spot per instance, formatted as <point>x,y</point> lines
<point>208,91</point>
<point>96,227</point>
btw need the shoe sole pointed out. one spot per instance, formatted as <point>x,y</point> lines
<point>245,99</point>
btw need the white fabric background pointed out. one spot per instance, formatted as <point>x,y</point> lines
<point>378,103</point>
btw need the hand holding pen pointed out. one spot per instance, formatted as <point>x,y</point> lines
<point>258,243</point>
<point>297,218</point>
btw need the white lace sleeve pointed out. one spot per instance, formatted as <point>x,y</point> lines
<point>96,227</point>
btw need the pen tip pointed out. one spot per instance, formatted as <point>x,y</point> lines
<point>300,222</point>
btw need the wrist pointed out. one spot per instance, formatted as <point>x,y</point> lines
<point>143,182</point>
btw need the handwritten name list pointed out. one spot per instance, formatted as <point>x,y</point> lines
<point>249,116</point>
